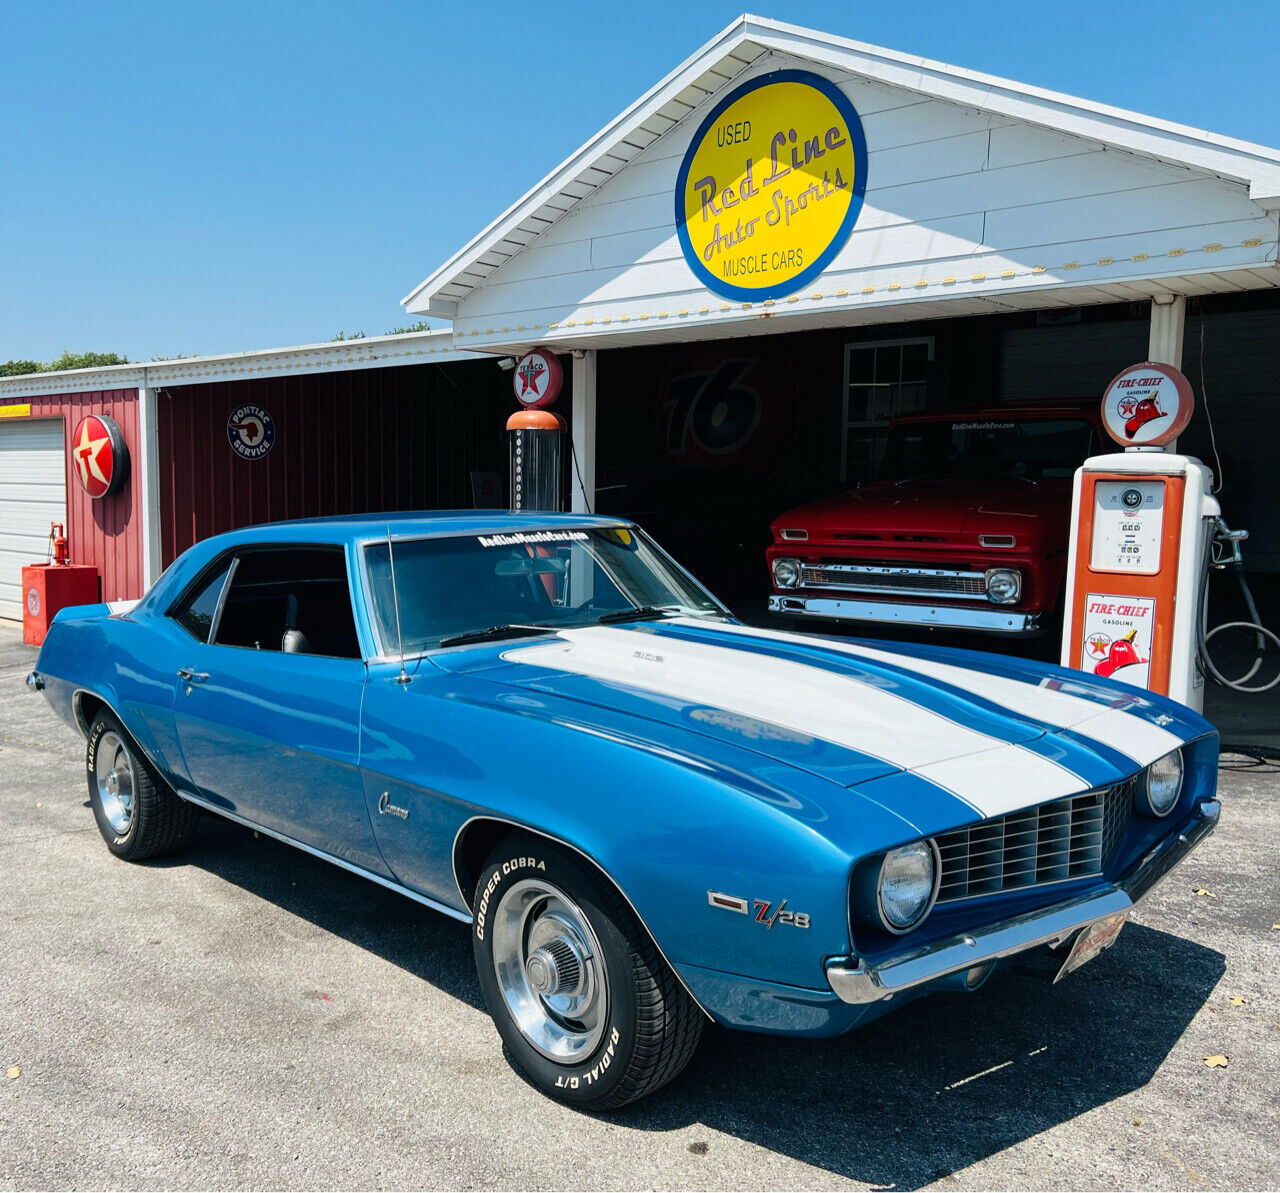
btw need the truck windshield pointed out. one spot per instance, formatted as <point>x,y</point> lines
<point>502,584</point>
<point>1033,449</point>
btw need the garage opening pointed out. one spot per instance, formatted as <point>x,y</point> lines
<point>33,493</point>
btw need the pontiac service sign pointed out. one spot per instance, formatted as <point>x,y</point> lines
<point>771,185</point>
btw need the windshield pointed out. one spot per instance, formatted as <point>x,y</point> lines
<point>561,578</point>
<point>1031,448</point>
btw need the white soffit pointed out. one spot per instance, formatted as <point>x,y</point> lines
<point>732,53</point>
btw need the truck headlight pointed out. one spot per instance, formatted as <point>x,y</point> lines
<point>1004,585</point>
<point>786,572</point>
<point>1161,785</point>
<point>908,885</point>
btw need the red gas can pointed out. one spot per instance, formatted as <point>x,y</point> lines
<point>48,587</point>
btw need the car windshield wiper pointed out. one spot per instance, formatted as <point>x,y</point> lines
<point>640,613</point>
<point>511,629</point>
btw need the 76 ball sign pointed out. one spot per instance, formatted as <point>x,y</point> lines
<point>537,378</point>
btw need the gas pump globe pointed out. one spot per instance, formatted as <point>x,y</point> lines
<point>535,435</point>
<point>1141,525</point>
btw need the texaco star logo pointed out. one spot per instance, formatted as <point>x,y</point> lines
<point>99,455</point>
<point>537,379</point>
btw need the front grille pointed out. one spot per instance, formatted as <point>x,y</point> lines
<point>909,581</point>
<point>1069,838</point>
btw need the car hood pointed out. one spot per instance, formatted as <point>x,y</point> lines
<point>975,742</point>
<point>945,507</point>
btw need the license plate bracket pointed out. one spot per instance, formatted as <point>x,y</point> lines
<point>1094,939</point>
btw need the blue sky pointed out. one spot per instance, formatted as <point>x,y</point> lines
<point>183,178</point>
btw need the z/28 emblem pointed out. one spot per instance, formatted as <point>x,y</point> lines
<point>767,912</point>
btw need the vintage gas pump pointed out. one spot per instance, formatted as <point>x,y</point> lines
<point>536,435</point>
<point>1142,522</point>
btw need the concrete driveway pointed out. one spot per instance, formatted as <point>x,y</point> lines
<point>246,1016</point>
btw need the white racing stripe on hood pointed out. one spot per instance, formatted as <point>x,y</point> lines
<point>1133,736</point>
<point>812,700</point>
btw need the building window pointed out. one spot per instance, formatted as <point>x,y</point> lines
<point>882,380</point>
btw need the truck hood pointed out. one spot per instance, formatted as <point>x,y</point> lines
<point>950,509</point>
<point>976,742</point>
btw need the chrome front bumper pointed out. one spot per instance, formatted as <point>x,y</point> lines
<point>993,621</point>
<point>859,983</point>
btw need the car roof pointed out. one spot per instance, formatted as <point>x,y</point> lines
<point>342,528</point>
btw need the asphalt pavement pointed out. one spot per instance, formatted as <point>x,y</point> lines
<point>244,1015</point>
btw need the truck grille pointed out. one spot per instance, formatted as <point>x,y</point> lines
<point>1069,838</point>
<point>906,581</point>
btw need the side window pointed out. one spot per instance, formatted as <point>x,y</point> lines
<point>291,599</point>
<point>196,613</point>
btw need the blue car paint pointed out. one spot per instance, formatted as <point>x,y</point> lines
<point>670,799</point>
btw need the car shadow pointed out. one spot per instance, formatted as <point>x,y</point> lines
<point>420,941</point>
<point>951,1079</point>
<point>907,1100</point>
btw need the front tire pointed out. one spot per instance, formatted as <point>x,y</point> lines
<point>138,814</point>
<point>590,1012</point>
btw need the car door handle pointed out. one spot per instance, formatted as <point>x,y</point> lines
<point>192,676</point>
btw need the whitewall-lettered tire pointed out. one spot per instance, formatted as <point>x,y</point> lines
<point>588,1009</point>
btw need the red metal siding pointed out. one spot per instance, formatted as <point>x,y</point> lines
<point>106,533</point>
<point>367,440</point>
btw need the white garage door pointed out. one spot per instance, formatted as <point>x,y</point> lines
<point>33,493</point>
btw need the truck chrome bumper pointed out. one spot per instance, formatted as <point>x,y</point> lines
<point>993,621</point>
<point>859,983</point>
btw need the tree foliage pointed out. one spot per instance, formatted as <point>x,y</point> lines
<point>67,360</point>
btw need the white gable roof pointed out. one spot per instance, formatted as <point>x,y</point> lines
<point>1253,170</point>
<point>983,195</point>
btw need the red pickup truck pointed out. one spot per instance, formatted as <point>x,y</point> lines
<point>966,528</point>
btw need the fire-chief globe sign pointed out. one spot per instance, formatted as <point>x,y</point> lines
<point>771,185</point>
<point>1147,405</point>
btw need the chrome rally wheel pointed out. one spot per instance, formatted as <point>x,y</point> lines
<point>550,970</point>
<point>138,814</point>
<point>113,773</point>
<point>589,1010</point>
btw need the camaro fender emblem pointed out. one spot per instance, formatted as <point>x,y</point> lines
<point>768,913</point>
<point>387,808</point>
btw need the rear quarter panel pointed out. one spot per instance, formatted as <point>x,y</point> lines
<point>126,662</point>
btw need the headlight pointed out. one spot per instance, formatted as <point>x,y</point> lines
<point>786,572</point>
<point>1004,585</point>
<point>908,885</point>
<point>1159,791</point>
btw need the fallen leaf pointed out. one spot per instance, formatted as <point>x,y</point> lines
<point>1216,1062</point>
<point>1275,927</point>
<point>1201,891</point>
<point>1238,1000</point>
<point>13,1072</point>
<point>1137,1122</point>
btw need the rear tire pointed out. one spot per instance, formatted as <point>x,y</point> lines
<point>138,814</point>
<point>613,1023</point>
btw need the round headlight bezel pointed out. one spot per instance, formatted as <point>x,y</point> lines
<point>1147,803</point>
<point>1012,576</point>
<point>935,857</point>
<point>785,561</point>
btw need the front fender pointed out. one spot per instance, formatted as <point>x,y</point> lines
<point>668,824</point>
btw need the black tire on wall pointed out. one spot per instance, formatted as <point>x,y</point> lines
<point>641,1028</point>
<point>138,814</point>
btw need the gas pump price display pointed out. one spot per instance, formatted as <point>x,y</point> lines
<point>1128,524</point>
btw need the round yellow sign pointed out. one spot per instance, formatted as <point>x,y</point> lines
<point>771,185</point>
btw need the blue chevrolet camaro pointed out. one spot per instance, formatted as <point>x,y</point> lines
<point>650,813</point>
